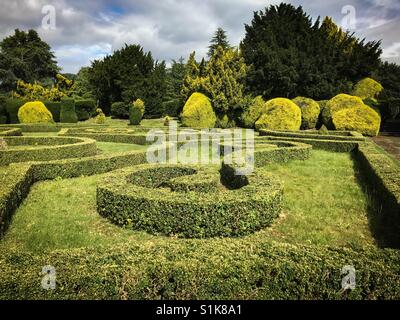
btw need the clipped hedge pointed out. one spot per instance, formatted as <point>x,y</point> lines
<point>34,112</point>
<point>147,198</point>
<point>3,111</point>
<point>198,112</point>
<point>68,113</point>
<point>361,118</point>
<point>120,110</point>
<point>45,148</point>
<point>279,114</point>
<point>12,106</point>
<point>85,109</point>
<point>55,108</point>
<point>192,269</point>
<point>5,131</point>
<point>331,135</point>
<point>310,111</point>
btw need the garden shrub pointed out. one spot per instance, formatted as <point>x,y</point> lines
<point>198,112</point>
<point>3,111</point>
<point>34,112</point>
<point>155,199</point>
<point>367,88</point>
<point>55,108</point>
<point>361,118</point>
<point>167,120</point>
<point>279,114</point>
<point>12,106</point>
<point>310,111</point>
<point>120,110</point>
<point>136,112</point>
<point>45,148</point>
<point>85,109</point>
<point>323,130</point>
<point>252,112</point>
<point>225,122</point>
<point>68,113</point>
<point>101,117</point>
<point>337,103</point>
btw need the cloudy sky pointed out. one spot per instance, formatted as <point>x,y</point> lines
<point>86,30</point>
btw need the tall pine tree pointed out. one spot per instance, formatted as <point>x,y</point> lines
<point>220,39</point>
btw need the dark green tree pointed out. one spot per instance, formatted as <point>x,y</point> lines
<point>154,96</point>
<point>173,101</point>
<point>127,75</point>
<point>290,55</point>
<point>220,39</point>
<point>25,56</point>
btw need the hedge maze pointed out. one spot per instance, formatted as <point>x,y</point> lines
<point>204,222</point>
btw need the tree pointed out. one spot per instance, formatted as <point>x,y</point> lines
<point>25,56</point>
<point>174,81</point>
<point>219,39</point>
<point>192,80</point>
<point>82,85</point>
<point>293,56</point>
<point>126,75</point>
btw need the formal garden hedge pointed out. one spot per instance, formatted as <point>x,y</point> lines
<point>193,269</point>
<point>22,149</point>
<point>189,202</point>
<point>8,131</point>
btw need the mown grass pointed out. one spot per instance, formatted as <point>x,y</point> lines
<point>323,205</point>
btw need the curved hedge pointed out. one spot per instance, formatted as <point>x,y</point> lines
<point>198,112</point>
<point>22,149</point>
<point>310,111</point>
<point>362,119</point>
<point>188,201</point>
<point>279,114</point>
<point>8,131</point>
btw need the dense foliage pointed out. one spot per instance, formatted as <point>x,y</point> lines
<point>126,75</point>
<point>198,112</point>
<point>292,56</point>
<point>34,112</point>
<point>219,39</point>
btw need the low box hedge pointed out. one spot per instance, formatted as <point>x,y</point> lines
<point>8,131</point>
<point>45,148</point>
<point>141,198</point>
<point>333,135</point>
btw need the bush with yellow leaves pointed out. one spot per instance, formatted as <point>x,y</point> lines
<point>34,112</point>
<point>198,112</point>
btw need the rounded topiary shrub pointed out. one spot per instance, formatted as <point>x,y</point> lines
<point>309,112</point>
<point>362,119</point>
<point>101,117</point>
<point>67,113</point>
<point>337,103</point>
<point>120,110</point>
<point>136,112</point>
<point>367,88</point>
<point>198,112</point>
<point>252,112</point>
<point>279,114</point>
<point>34,112</point>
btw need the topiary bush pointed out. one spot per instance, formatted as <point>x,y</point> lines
<point>12,106</point>
<point>167,120</point>
<point>198,112</point>
<point>252,112</point>
<point>68,113</point>
<point>337,103</point>
<point>136,112</point>
<point>120,110</point>
<point>55,108</point>
<point>310,111</point>
<point>279,114</point>
<point>361,118</point>
<point>367,88</point>
<point>85,109</point>
<point>34,112</point>
<point>101,117</point>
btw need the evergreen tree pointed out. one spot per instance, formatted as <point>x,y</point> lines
<point>191,81</point>
<point>292,56</point>
<point>173,101</point>
<point>219,39</point>
<point>25,56</point>
<point>156,91</point>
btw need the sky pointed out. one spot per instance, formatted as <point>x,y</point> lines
<point>80,31</point>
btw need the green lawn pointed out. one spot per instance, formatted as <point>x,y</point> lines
<point>324,205</point>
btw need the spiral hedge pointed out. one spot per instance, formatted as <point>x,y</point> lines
<point>21,149</point>
<point>189,202</point>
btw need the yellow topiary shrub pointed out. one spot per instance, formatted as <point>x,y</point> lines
<point>34,112</point>
<point>279,114</point>
<point>337,103</point>
<point>362,119</point>
<point>367,89</point>
<point>309,112</point>
<point>198,112</point>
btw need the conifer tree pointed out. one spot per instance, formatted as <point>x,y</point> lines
<point>219,39</point>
